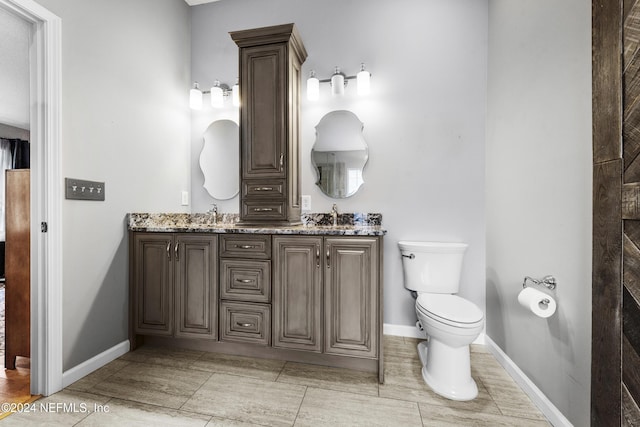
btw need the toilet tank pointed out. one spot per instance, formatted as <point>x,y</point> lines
<point>432,267</point>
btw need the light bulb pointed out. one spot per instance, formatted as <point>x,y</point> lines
<point>337,83</point>
<point>195,97</point>
<point>364,81</point>
<point>217,95</point>
<point>313,87</point>
<point>235,94</point>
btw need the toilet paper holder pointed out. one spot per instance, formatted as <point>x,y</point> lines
<point>548,282</point>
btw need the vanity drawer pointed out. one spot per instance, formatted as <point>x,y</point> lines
<point>244,280</point>
<point>251,246</point>
<point>245,322</point>
<point>271,188</point>
<point>261,211</point>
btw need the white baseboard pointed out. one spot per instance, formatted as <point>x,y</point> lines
<point>96,362</point>
<point>412,331</point>
<point>536,395</point>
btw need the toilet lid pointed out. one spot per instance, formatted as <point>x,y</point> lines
<point>449,308</point>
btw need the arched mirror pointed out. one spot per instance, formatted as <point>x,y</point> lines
<point>339,154</point>
<point>220,159</point>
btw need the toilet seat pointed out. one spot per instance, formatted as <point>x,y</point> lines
<point>450,309</point>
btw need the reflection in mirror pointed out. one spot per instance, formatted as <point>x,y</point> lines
<point>339,154</point>
<point>220,159</point>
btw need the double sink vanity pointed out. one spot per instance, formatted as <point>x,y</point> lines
<point>309,293</point>
<point>269,281</point>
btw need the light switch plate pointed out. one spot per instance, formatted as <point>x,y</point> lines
<point>185,198</point>
<point>81,189</point>
<point>306,203</point>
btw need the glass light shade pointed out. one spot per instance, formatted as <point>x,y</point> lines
<point>235,95</point>
<point>217,95</point>
<point>337,83</point>
<point>195,98</point>
<point>313,87</point>
<point>364,81</point>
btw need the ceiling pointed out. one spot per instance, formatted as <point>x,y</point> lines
<point>196,2</point>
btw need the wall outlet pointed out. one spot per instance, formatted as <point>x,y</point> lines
<point>185,198</point>
<point>306,203</point>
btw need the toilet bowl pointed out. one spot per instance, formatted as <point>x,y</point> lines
<point>432,271</point>
<point>446,358</point>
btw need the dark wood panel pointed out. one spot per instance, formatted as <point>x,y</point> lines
<point>630,410</point>
<point>607,81</point>
<point>606,293</point>
<point>630,373</point>
<point>631,320</point>
<point>631,267</point>
<point>631,201</point>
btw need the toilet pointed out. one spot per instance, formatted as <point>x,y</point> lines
<point>432,271</point>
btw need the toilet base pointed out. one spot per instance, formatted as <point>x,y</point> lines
<point>447,370</point>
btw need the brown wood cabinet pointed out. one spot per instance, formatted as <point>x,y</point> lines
<point>346,271</point>
<point>245,297</point>
<point>175,284</point>
<point>17,267</point>
<point>304,298</point>
<point>297,292</point>
<point>270,63</point>
<point>351,284</point>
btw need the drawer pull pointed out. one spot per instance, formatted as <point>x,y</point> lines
<point>262,209</point>
<point>245,280</point>
<point>246,246</point>
<point>244,325</point>
<point>263,189</point>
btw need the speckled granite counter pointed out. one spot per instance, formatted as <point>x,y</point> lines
<point>349,224</point>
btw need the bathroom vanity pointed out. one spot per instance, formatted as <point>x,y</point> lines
<point>309,293</point>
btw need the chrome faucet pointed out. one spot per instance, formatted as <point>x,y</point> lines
<point>334,214</point>
<point>214,213</point>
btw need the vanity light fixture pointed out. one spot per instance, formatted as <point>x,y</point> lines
<point>195,97</point>
<point>235,94</point>
<point>338,83</point>
<point>313,87</point>
<point>219,91</point>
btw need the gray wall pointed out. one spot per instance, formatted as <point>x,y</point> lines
<point>538,181</point>
<point>424,120</point>
<point>125,121</point>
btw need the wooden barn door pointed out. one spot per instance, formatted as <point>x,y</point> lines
<point>615,382</point>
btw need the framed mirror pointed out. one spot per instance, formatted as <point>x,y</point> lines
<point>339,154</point>
<point>220,159</point>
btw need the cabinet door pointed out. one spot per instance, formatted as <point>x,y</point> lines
<point>196,286</point>
<point>297,293</point>
<point>264,100</point>
<point>351,296</point>
<point>153,270</point>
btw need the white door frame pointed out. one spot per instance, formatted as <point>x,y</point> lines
<point>46,194</point>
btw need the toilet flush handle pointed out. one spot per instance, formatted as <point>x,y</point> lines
<point>410,256</point>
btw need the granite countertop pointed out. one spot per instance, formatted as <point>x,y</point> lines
<point>349,224</point>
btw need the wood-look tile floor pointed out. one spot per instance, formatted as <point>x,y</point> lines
<point>173,387</point>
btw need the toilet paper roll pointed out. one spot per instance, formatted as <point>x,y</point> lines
<point>532,299</point>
